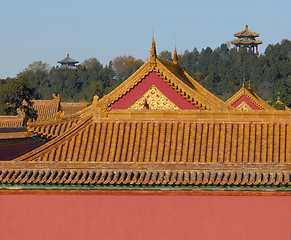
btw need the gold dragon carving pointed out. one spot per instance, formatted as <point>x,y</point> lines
<point>244,106</point>
<point>153,99</point>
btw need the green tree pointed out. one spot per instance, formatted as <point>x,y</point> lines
<point>14,94</point>
<point>165,54</point>
<point>125,66</point>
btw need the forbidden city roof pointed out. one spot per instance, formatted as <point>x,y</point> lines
<point>159,128</point>
<point>159,148</point>
<point>247,99</point>
<point>168,74</point>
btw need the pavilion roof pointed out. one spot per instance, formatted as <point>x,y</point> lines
<point>246,41</point>
<point>246,33</point>
<point>68,59</point>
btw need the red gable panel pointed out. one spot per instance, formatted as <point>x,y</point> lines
<point>152,79</point>
<point>247,101</point>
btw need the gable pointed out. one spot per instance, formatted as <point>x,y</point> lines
<point>155,83</point>
<point>154,99</point>
<point>244,103</point>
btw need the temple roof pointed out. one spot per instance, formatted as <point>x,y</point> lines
<point>248,97</point>
<point>176,78</point>
<point>72,107</point>
<point>162,140</point>
<point>163,149</point>
<point>246,33</point>
<point>68,59</point>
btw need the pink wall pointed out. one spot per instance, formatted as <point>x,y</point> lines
<point>36,217</point>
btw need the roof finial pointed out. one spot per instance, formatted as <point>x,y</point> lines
<point>250,84</point>
<point>68,55</point>
<point>243,84</point>
<point>153,51</point>
<point>247,26</point>
<point>175,58</point>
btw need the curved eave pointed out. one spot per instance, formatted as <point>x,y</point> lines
<point>246,41</point>
<point>149,177</point>
<point>67,62</point>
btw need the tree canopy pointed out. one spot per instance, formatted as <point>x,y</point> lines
<point>222,70</point>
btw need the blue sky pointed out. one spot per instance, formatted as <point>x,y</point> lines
<point>35,30</point>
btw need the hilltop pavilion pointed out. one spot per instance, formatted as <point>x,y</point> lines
<point>247,39</point>
<point>68,63</point>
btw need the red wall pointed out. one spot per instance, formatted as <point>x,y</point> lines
<point>88,217</point>
<point>11,151</point>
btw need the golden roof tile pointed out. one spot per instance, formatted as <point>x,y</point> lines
<point>162,141</point>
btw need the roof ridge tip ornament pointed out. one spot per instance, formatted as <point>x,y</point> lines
<point>247,27</point>
<point>153,55</point>
<point>175,57</point>
<point>100,106</point>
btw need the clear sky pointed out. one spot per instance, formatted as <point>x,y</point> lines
<point>46,30</point>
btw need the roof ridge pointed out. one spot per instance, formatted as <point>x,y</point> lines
<point>255,99</point>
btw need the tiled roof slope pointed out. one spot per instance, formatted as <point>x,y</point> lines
<point>252,96</point>
<point>165,151</point>
<point>46,109</point>
<point>177,78</point>
<point>11,121</point>
<point>161,148</point>
<point>50,109</point>
<point>72,107</point>
<point>170,142</point>
<point>56,127</point>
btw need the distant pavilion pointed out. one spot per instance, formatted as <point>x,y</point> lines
<point>68,63</point>
<point>247,39</point>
